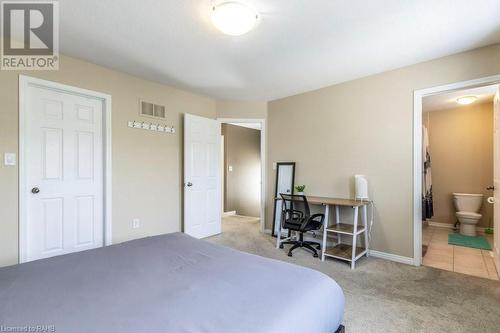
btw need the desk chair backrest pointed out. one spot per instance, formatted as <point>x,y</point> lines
<point>294,206</point>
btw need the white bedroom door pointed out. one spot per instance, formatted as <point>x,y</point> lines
<point>496,177</point>
<point>202,183</point>
<point>63,172</point>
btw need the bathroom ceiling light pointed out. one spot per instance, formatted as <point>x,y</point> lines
<point>466,100</point>
<point>234,18</point>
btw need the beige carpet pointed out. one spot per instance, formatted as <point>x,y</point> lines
<point>383,296</point>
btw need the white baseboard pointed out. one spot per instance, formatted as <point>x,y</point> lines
<point>391,257</point>
<point>231,213</point>
<point>450,226</point>
<point>441,224</point>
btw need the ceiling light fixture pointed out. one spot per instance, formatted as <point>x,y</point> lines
<point>465,100</point>
<point>234,18</point>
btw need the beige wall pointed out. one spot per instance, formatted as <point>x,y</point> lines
<point>147,166</point>
<point>361,126</point>
<point>241,109</point>
<point>242,184</point>
<point>461,147</point>
<point>365,126</point>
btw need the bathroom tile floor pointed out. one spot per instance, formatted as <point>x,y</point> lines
<point>454,258</point>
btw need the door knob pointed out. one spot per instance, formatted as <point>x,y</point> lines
<point>490,188</point>
<point>35,190</point>
<point>189,184</point>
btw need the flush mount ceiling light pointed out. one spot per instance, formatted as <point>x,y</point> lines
<point>234,18</point>
<point>466,100</point>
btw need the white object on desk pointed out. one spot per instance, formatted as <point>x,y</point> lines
<point>360,187</point>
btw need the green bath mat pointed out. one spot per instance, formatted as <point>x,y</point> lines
<point>477,242</point>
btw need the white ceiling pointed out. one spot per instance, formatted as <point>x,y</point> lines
<point>299,45</point>
<point>449,100</point>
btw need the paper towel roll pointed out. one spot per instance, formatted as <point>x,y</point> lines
<point>361,187</point>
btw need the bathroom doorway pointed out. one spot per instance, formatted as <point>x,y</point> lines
<point>455,176</point>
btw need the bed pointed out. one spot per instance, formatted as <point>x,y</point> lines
<point>168,283</point>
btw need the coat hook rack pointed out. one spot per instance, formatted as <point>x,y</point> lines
<point>151,126</point>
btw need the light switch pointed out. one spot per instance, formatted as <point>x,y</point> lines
<point>10,159</point>
<point>230,168</point>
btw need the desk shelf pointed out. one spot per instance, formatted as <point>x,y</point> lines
<point>345,228</point>
<point>344,252</point>
<point>353,230</point>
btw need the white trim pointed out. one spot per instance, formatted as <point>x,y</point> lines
<point>451,226</point>
<point>441,225</point>
<point>263,145</point>
<point>418,95</point>
<point>255,126</point>
<point>391,257</point>
<point>231,213</point>
<point>24,82</point>
<point>222,171</point>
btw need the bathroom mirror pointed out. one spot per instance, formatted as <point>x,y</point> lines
<point>285,179</point>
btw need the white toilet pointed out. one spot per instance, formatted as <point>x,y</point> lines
<point>468,206</point>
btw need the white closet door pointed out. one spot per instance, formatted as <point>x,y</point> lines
<point>63,151</point>
<point>202,183</point>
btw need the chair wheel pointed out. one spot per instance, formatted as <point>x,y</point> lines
<point>281,246</point>
<point>289,254</point>
<point>315,255</point>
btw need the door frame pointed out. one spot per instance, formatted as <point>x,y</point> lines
<point>263,173</point>
<point>24,83</point>
<point>418,96</point>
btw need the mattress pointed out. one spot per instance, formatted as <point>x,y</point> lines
<point>168,283</point>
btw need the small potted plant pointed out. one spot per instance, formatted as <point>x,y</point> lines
<point>300,189</point>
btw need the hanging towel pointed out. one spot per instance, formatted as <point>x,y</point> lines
<point>427,204</point>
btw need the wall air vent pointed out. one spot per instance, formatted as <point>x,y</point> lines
<point>152,110</point>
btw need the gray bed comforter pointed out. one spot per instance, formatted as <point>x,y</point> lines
<point>168,283</point>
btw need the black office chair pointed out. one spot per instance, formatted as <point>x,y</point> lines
<point>296,216</point>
